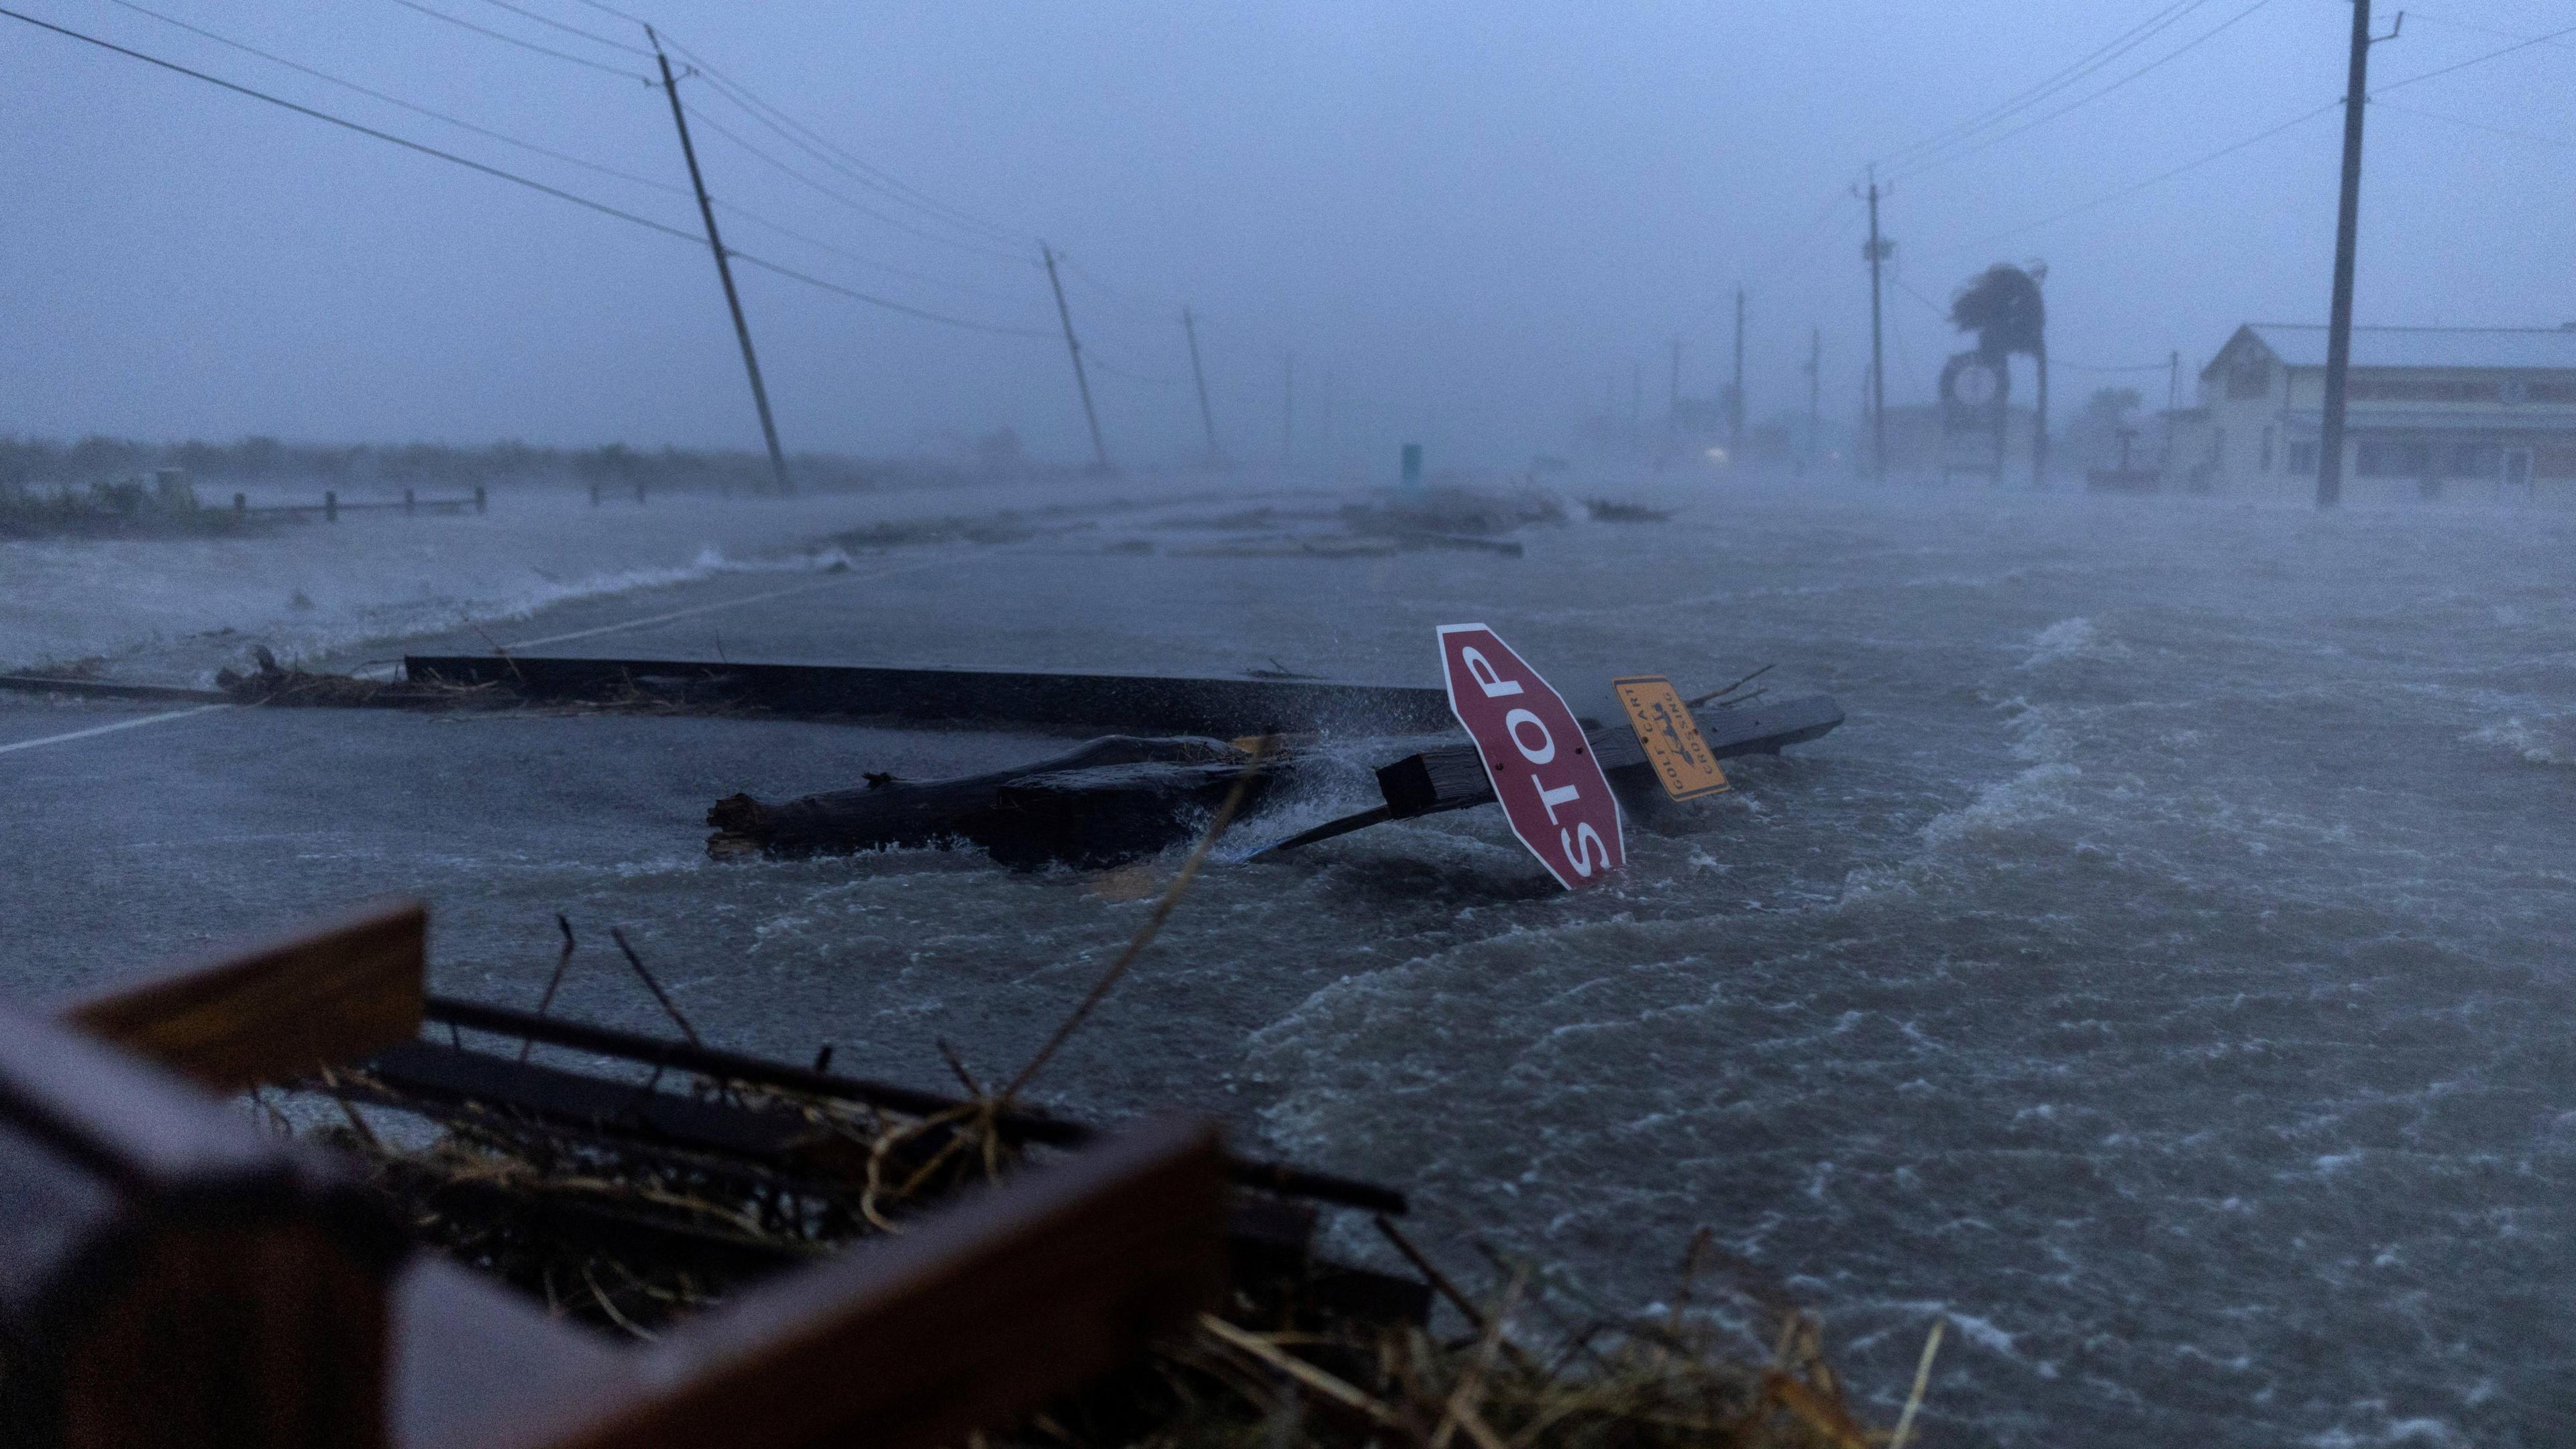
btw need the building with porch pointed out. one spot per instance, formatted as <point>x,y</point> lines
<point>2430,412</point>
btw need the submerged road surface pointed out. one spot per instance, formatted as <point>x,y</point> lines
<point>2162,974</point>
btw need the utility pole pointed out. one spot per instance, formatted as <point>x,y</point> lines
<point>1207,419</point>
<point>2347,225</point>
<point>1288,412</point>
<point>1735,405</point>
<point>1325,427</point>
<point>1878,252</point>
<point>1815,391</point>
<point>2173,400</point>
<point>724,266</point>
<point>1099,449</point>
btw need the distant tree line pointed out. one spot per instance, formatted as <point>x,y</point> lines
<point>43,464</point>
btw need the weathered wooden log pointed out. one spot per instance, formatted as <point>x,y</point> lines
<point>169,1275</point>
<point>1110,801</point>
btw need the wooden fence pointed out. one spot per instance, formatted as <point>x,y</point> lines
<point>172,1276</point>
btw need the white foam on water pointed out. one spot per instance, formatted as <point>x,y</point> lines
<point>2540,740</point>
<point>2069,639</point>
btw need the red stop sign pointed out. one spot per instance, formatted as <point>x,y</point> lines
<point>1543,771</point>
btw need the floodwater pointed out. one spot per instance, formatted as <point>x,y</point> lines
<point>2161,975</point>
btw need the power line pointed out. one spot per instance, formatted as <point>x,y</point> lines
<point>2531,136</point>
<point>786,128</point>
<point>2482,29</point>
<point>2476,60</point>
<point>849,164</point>
<point>533,148</point>
<point>2135,187</point>
<point>2258,137</point>
<point>793,234</point>
<point>862,208</point>
<point>2088,98</point>
<point>321,75</point>
<point>589,35</point>
<point>508,39</point>
<point>515,179</point>
<point>2068,75</point>
<point>888,303</point>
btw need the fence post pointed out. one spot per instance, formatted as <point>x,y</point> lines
<point>478,497</point>
<point>407,504</point>
<point>241,505</point>
<point>330,506</point>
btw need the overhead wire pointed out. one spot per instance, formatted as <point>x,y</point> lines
<point>668,187</point>
<point>590,35</point>
<point>2258,137</point>
<point>1940,159</point>
<point>515,179</point>
<point>2423,15</point>
<point>2056,81</point>
<point>2493,130</point>
<point>824,189</point>
<point>509,39</point>
<point>2518,45</point>
<point>436,115</point>
<point>839,158</point>
<point>2137,186</point>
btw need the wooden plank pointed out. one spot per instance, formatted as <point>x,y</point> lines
<point>430,1077</point>
<point>975,1316</point>
<point>321,996</point>
<point>1015,1124</point>
<point>1221,707</point>
<point>1453,778</point>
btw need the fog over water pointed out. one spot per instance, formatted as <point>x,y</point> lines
<point>2161,977</point>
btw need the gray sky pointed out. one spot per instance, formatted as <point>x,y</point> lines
<point>1477,217</point>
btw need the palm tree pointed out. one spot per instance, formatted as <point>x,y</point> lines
<point>2003,307</point>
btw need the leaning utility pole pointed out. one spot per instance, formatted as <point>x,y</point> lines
<point>1207,419</point>
<point>1878,252</point>
<point>724,266</point>
<point>1815,391</point>
<point>1099,449</point>
<point>1735,405</point>
<point>2347,224</point>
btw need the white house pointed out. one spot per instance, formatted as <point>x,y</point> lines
<point>2467,412</point>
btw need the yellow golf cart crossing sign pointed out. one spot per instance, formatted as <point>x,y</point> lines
<point>1682,759</point>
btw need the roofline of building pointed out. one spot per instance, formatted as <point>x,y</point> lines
<point>2378,327</point>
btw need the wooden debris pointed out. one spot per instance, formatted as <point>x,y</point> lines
<point>1604,510</point>
<point>1112,800</point>
<point>1168,704</point>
